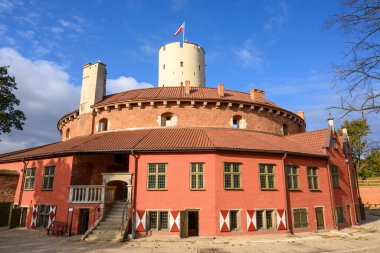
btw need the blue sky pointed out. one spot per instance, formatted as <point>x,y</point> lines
<point>279,46</point>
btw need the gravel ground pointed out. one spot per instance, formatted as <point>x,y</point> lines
<point>364,238</point>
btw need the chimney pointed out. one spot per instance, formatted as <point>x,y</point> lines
<point>331,123</point>
<point>187,87</point>
<point>221,89</point>
<point>257,95</point>
<point>301,114</point>
<point>344,131</point>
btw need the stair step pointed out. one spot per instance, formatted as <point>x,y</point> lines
<point>105,232</point>
<point>114,216</point>
<point>111,223</point>
<point>101,237</point>
<point>100,227</point>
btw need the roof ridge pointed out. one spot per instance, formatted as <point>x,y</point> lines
<point>146,135</point>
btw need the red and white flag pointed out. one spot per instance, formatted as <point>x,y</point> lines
<point>180,29</point>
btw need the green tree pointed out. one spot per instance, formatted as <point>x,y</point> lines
<point>372,163</point>
<point>357,131</point>
<point>9,116</point>
<point>359,74</point>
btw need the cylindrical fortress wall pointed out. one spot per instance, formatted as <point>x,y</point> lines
<point>178,63</point>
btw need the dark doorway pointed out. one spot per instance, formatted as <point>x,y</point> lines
<point>83,219</point>
<point>193,223</point>
<point>320,220</point>
<point>5,210</point>
<point>24,211</point>
<point>121,192</point>
<point>15,217</point>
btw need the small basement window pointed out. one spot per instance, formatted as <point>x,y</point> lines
<point>103,125</point>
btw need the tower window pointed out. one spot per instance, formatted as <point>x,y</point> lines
<point>68,133</point>
<point>166,119</point>
<point>163,67</point>
<point>236,121</point>
<point>103,125</point>
<point>285,130</point>
<point>181,64</point>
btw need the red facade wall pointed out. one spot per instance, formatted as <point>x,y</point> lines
<point>214,198</point>
<point>57,196</point>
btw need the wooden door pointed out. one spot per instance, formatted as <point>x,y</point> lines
<point>184,230</point>
<point>320,220</point>
<point>5,209</point>
<point>15,218</point>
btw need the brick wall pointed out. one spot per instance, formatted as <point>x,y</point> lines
<point>8,185</point>
<point>187,116</point>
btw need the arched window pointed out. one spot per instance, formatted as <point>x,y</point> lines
<point>236,121</point>
<point>285,129</point>
<point>166,119</point>
<point>103,125</point>
<point>68,133</point>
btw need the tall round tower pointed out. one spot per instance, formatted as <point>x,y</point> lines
<point>180,62</point>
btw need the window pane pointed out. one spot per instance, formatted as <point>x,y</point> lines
<point>164,220</point>
<point>193,167</point>
<point>235,167</point>
<point>193,181</point>
<point>161,168</point>
<point>227,181</point>
<point>263,181</point>
<point>200,181</point>
<point>271,181</point>
<point>161,184</point>
<point>152,168</point>
<point>236,181</point>
<point>227,167</point>
<point>269,218</point>
<point>295,182</point>
<point>233,220</point>
<point>270,168</point>
<point>200,167</point>
<point>153,220</point>
<point>151,181</point>
<point>262,168</point>
<point>259,219</point>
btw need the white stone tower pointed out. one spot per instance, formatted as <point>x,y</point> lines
<point>181,62</point>
<point>93,85</point>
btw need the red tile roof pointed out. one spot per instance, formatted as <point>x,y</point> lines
<point>173,139</point>
<point>162,93</point>
<point>314,139</point>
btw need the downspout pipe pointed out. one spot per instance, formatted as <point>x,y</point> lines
<point>352,194</point>
<point>22,182</point>
<point>134,193</point>
<point>332,196</point>
<point>287,216</point>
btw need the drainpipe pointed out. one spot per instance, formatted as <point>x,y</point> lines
<point>352,194</point>
<point>22,182</point>
<point>134,194</point>
<point>332,197</point>
<point>287,216</point>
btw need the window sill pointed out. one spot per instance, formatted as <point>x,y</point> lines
<point>28,190</point>
<point>315,190</point>
<point>156,189</point>
<point>274,189</point>
<point>47,190</point>
<point>233,189</point>
<point>196,190</point>
<point>295,190</point>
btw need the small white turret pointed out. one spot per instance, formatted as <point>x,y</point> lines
<point>93,85</point>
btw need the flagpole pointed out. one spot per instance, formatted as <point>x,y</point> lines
<point>183,35</point>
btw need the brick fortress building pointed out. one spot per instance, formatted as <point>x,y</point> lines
<point>183,159</point>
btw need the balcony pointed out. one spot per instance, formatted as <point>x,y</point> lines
<point>87,194</point>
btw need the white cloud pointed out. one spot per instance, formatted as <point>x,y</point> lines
<point>125,83</point>
<point>45,94</point>
<point>279,17</point>
<point>6,5</point>
<point>249,55</point>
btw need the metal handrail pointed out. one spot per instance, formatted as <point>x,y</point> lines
<point>124,217</point>
<point>88,215</point>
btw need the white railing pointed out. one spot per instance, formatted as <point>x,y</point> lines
<point>91,193</point>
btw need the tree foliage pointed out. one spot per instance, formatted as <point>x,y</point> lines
<point>9,117</point>
<point>359,75</point>
<point>371,164</point>
<point>357,131</point>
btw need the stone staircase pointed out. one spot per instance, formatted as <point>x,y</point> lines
<point>110,227</point>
